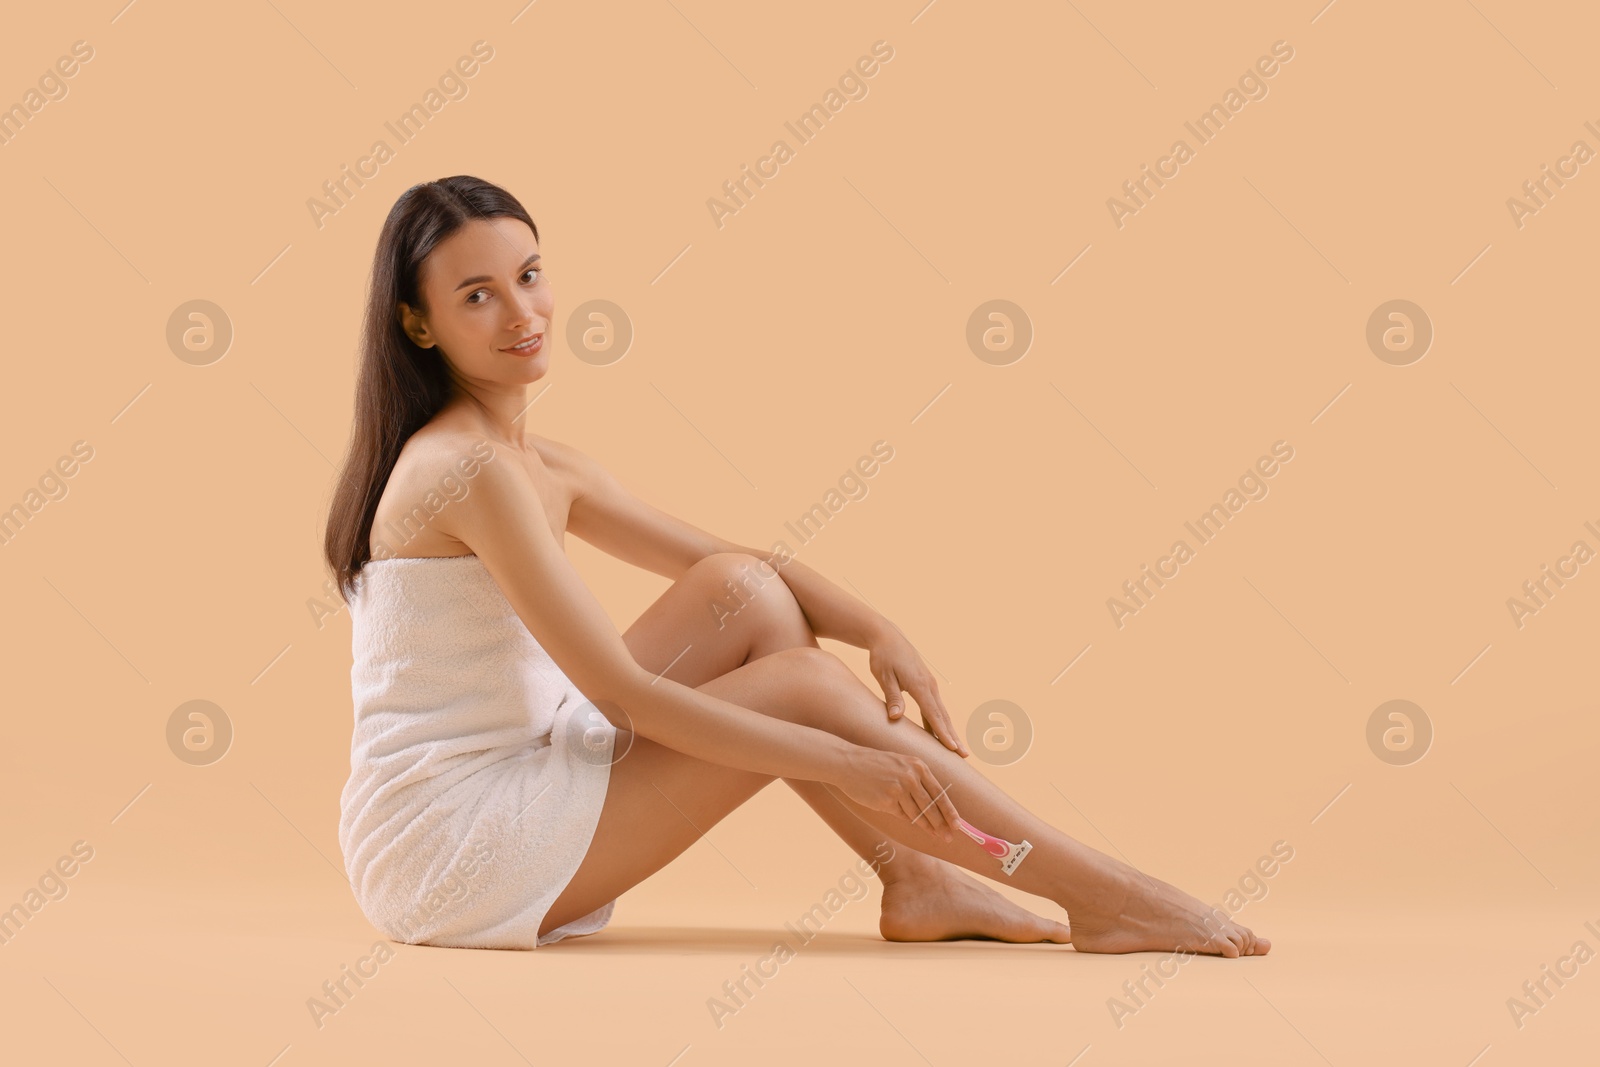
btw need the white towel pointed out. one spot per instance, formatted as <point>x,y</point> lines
<point>477,769</point>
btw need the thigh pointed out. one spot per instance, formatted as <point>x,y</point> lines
<point>727,610</point>
<point>659,801</point>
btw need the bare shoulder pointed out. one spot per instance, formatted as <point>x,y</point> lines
<point>436,472</point>
<point>442,450</point>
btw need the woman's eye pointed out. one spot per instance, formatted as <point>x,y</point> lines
<point>475,292</point>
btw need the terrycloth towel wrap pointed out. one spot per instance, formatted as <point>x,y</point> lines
<point>477,769</point>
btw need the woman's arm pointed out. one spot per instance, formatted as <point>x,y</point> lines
<point>606,515</point>
<point>831,611</point>
<point>618,523</point>
<point>504,522</point>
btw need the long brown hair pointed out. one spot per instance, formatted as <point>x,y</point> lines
<point>399,385</point>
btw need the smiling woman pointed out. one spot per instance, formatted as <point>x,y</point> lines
<point>496,705</point>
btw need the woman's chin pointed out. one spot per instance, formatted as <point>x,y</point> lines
<point>530,371</point>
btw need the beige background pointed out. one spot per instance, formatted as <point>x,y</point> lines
<point>828,313</point>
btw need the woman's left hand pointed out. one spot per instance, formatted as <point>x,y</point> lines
<point>899,669</point>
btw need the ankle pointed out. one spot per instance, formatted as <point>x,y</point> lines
<point>1104,889</point>
<point>907,865</point>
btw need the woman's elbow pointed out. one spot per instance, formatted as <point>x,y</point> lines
<point>622,695</point>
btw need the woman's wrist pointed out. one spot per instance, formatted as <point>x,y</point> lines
<point>835,757</point>
<point>874,629</point>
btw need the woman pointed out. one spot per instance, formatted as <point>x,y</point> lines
<point>516,764</point>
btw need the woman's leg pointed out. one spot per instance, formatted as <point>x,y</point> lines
<point>683,635</point>
<point>1114,908</point>
<point>660,801</point>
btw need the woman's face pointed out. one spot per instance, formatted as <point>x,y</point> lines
<point>485,291</point>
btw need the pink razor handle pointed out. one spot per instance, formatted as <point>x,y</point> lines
<point>1008,854</point>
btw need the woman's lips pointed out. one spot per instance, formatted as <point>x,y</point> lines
<point>532,349</point>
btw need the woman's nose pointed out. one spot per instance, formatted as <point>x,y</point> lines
<point>531,308</point>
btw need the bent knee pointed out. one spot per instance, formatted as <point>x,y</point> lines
<point>740,568</point>
<point>742,582</point>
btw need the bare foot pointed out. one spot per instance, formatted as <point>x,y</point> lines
<point>941,903</point>
<point>1146,914</point>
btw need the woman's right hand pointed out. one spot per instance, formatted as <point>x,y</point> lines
<point>900,785</point>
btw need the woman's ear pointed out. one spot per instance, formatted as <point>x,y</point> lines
<point>414,326</point>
